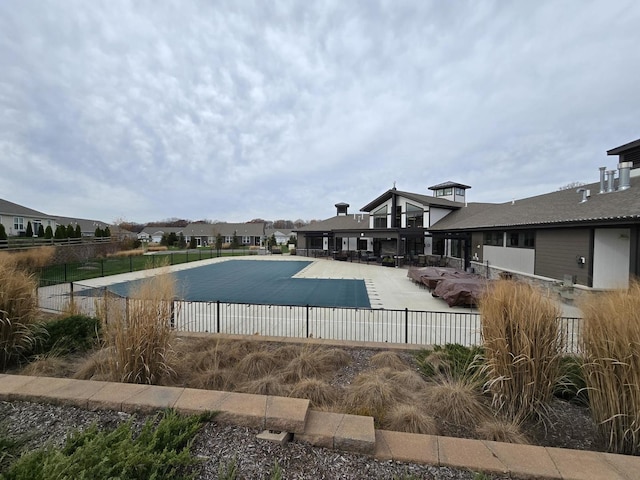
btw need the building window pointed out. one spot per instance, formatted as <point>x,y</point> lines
<point>495,239</point>
<point>524,239</point>
<point>246,240</point>
<point>18,224</point>
<point>415,216</point>
<point>315,243</point>
<point>444,192</point>
<point>362,244</point>
<point>460,191</point>
<point>380,217</point>
<point>228,239</point>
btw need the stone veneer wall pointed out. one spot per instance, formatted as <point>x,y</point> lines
<point>83,252</point>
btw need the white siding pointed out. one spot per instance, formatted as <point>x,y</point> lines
<point>611,250</point>
<point>516,259</point>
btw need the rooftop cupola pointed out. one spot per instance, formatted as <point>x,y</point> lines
<point>342,209</point>
<point>451,191</point>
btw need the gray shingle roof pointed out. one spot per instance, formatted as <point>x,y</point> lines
<point>339,222</point>
<point>10,208</point>
<point>448,184</point>
<point>422,199</point>
<point>561,207</point>
<point>224,229</point>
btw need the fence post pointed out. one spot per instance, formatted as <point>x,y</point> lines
<point>65,272</point>
<point>307,320</point>
<point>130,263</point>
<point>406,325</point>
<point>102,267</point>
<point>172,321</point>
<point>71,293</point>
<point>218,316</point>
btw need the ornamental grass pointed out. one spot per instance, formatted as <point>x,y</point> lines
<point>523,347</point>
<point>140,334</point>
<point>611,346</point>
<point>18,312</point>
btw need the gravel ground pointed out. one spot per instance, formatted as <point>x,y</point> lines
<point>222,444</point>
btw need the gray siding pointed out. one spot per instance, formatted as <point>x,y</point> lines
<point>557,251</point>
<point>477,238</point>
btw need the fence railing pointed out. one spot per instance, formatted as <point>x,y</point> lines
<point>103,267</point>
<point>21,243</point>
<point>335,323</point>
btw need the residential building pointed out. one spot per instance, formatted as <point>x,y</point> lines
<point>15,219</point>
<point>248,234</point>
<point>588,236</point>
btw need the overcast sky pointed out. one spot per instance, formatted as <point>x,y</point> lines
<point>145,110</point>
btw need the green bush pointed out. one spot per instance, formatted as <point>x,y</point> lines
<point>74,334</point>
<point>571,385</point>
<point>160,451</point>
<point>452,360</point>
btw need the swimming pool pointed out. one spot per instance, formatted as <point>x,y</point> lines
<point>262,282</point>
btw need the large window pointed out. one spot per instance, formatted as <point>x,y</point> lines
<point>444,192</point>
<point>521,239</point>
<point>246,240</point>
<point>362,244</point>
<point>315,243</point>
<point>380,217</point>
<point>495,239</point>
<point>415,216</point>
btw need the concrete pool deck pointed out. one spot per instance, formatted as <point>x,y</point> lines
<point>388,288</point>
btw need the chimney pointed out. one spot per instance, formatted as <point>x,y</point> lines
<point>624,175</point>
<point>611,178</point>
<point>342,209</point>
<point>602,187</point>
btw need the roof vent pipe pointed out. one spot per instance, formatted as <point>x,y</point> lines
<point>624,175</point>
<point>602,188</point>
<point>586,193</point>
<point>611,177</point>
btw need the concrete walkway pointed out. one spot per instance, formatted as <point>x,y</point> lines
<point>324,429</point>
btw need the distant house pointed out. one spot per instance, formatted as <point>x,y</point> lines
<point>15,219</point>
<point>248,234</point>
<point>87,227</point>
<point>343,232</point>
<point>155,234</point>
<point>282,236</point>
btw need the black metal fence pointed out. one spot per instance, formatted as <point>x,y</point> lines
<point>335,323</point>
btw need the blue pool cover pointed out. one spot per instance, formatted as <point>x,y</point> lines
<point>262,282</point>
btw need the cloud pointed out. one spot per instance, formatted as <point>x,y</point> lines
<point>240,110</point>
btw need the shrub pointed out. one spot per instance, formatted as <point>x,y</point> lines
<point>456,401</point>
<point>256,364</point>
<point>74,334</point>
<point>410,419</point>
<point>523,346</point>
<point>159,451</point>
<point>372,394</point>
<point>318,392</point>
<point>571,385</point>
<point>611,344</point>
<point>18,310</point>
<point>452,360</point>
<point>497,430</point>
<point>266,385</point>
<point>141,336</point>
<point>388,359</point>
<point>311,362</point>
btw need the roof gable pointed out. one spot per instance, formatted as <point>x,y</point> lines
<point>425,200</point>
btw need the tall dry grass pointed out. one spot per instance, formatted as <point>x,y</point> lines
<point>29,260</point>
<point>140,335</point>
<point>18,311</point>
<point>523,347</point>
<point>611,345</point>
